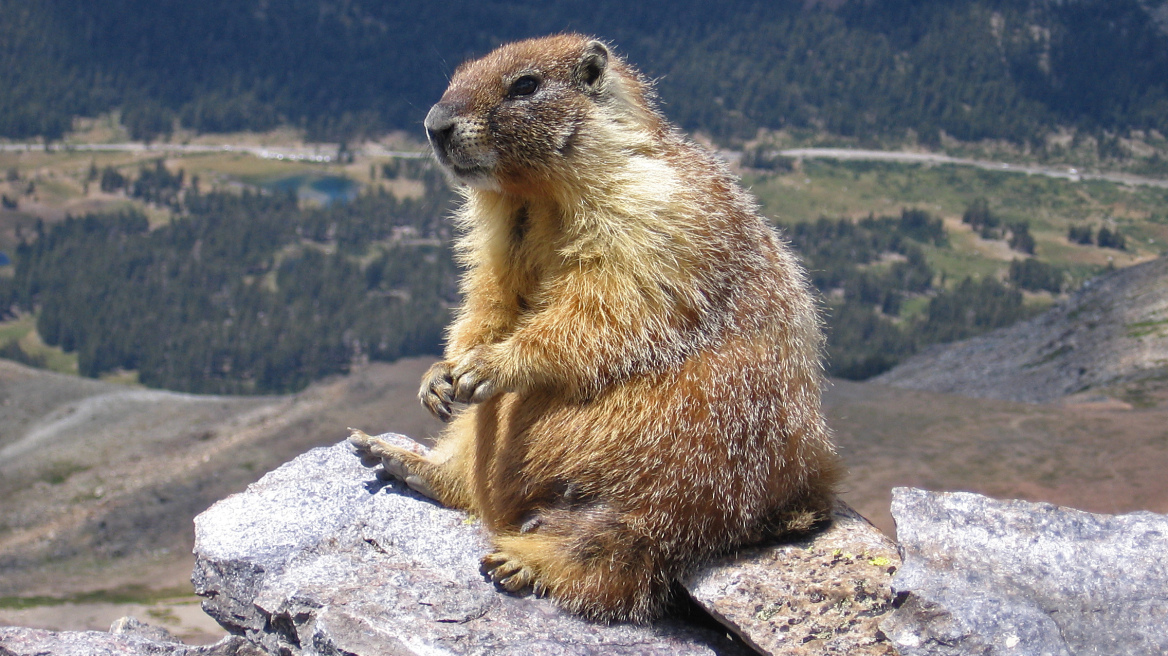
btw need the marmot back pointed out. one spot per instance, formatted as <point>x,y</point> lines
<point>633,379</point>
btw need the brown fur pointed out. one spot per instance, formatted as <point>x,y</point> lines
<point>639,349</point>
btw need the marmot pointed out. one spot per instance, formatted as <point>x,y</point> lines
<point>639,351</point>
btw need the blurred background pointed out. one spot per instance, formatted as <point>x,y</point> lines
<point>222,241</point>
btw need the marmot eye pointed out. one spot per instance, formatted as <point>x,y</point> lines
<point>524,86</point>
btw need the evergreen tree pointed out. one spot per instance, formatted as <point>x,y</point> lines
<point>1020,238</point>
<point>1081,235</point>
<point>111,180</point>
<point>1034,275</point>
<point>1111,239</point>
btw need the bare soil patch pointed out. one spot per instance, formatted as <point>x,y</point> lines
<point>1099,457</point>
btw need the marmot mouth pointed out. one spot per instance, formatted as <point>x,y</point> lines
<point>472,175</point>
<point>475,171</point>
<point>467,171</point>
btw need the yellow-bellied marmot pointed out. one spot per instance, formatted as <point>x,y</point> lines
<point>639,350</point>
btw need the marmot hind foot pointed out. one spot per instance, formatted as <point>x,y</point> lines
<point>398,463</point>
<point>511,574</point>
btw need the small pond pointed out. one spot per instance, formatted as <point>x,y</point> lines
<point>317,187</point>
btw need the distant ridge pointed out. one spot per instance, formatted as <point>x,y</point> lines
<point>1111,337</point>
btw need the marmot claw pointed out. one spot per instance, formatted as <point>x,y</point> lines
<point>437,391</point>
<point>509,573</point>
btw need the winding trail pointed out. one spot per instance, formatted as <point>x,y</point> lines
<point>328,153</point>
<point>932,158</point>
<point>315,153</point>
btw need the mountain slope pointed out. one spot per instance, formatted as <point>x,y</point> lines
<point>1111,337</point>
<point>100,482</point>
<point>98,477</point>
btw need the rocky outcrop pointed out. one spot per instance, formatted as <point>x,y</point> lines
<point>1110,336</point>
<point>982,576</point>
<point>127,637</point>
<point>323,557</point>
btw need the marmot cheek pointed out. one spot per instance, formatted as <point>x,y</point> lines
<point>566,142</point>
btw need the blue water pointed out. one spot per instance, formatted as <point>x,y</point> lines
<point>324,189</point>
<point>4,261</point>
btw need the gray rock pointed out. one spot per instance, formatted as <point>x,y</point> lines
<point>989,577</point>
<point>822,595</point>
<point>133,626</point>
<point>322,557</point>
<point>20,641</point>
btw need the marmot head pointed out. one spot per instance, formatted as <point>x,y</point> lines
<point>529,111</point>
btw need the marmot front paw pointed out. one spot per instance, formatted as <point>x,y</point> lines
<point>437,391</point>
<point>471,378</point>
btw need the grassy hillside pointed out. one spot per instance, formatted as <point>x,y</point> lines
<point>183,277</point>
<point>900,267</point>
<point>1050,205</point>
<point>237,292</point>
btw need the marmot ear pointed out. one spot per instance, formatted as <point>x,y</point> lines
<point>592,65</point>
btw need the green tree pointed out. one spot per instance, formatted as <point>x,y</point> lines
<point>1035,275</point>
<point>1111,239</point>
<point>1081,235</point>
<point>111,180</point>
<point>1020,238</point>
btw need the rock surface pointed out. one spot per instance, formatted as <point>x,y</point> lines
<point>989,577</point>
<point>127,637</point>
<point>823,595</point>
<point>1111,336</point>
<point>322,557</point>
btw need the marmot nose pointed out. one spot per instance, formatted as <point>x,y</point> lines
<point>439,126</point>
